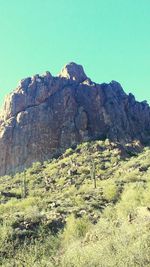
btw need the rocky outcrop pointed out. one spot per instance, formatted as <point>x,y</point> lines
<point>46,114</point>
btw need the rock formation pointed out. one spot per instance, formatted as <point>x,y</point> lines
<point>46,114</point>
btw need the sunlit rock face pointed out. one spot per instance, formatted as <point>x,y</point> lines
<point>73,72</point>
<point>46,114</point>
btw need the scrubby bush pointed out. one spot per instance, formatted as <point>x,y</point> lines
<point>75,228</point>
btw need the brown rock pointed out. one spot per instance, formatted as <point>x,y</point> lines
<point>46,114</point>
<point>74,72</point>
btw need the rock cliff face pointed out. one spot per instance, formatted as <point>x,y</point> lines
<point>46,114</point>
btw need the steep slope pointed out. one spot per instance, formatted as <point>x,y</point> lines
<point>47,114</point>
<point>52,214</point>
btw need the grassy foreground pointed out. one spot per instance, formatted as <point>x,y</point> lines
<point>88,208</point>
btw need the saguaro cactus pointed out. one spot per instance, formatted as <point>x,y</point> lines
<point>24,186</point>
<point>93,173</point>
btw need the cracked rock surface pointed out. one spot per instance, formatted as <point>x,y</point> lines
<point>46,114</point>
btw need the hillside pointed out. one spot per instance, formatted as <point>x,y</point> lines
<point>88,207</point>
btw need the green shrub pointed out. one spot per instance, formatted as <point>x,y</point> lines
<point>75,228</point>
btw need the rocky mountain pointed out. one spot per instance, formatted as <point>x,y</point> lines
<point>46,114</point>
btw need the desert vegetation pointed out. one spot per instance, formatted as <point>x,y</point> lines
<point>88,208</point>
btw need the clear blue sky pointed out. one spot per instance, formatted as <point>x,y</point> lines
<point>110,38</point>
